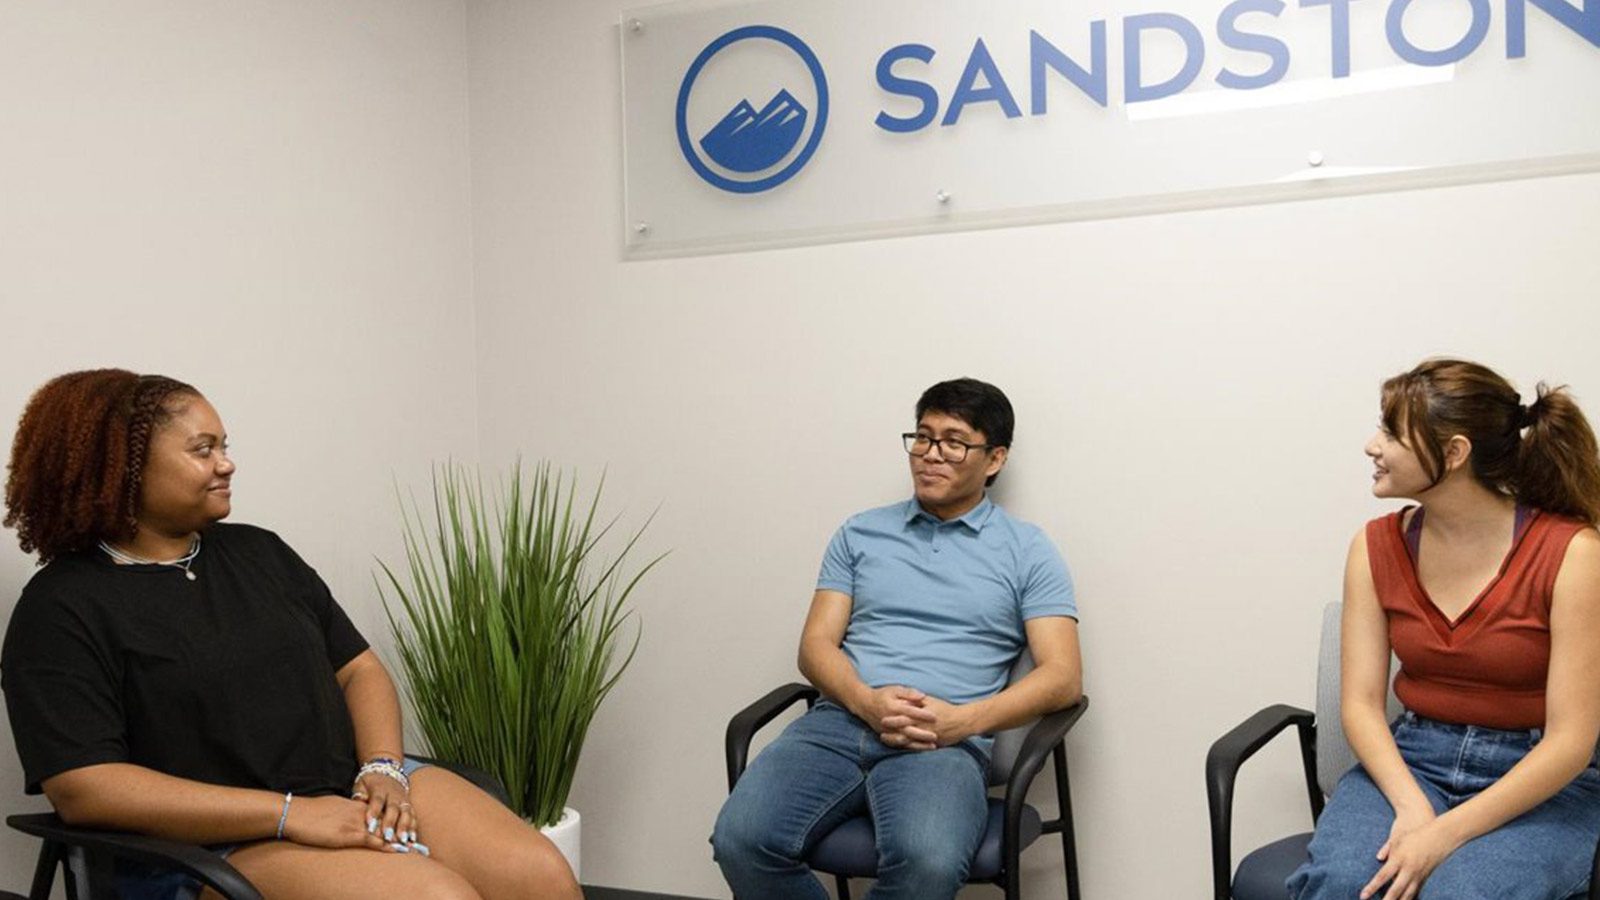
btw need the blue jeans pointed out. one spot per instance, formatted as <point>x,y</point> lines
<point>928,809</point>
<point>1543,854</point>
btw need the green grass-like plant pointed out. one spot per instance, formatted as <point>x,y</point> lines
<point>508,626</point>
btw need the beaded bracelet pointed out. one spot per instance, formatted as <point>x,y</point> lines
<point>288,796</point>
<point>382,767</point>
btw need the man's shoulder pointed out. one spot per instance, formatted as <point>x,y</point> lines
<point>878,518</point>
<point>1013,527</point>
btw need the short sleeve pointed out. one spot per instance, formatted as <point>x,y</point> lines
<point>61,692</point>
<point>342,641</point>
<point>838,564</point>
<point>1046,584</point>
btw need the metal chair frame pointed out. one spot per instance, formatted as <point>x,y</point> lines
<point>87,854</point>
<point>1045,739</point>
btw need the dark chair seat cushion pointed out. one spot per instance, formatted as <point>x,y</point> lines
<point>1261,875</point>
<point>852,850</point>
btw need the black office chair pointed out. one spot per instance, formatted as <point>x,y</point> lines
<point>86,855</point>
<point>1325,756</point>
<point>850,850</point>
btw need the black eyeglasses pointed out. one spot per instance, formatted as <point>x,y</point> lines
<point>952,450</point>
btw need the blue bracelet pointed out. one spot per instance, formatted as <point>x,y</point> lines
<point>287,797</point>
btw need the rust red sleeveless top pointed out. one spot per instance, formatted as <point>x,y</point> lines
<point>1489,666</point>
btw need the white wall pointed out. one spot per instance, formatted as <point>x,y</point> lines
<point>270,200</point>
<point>1193,392</point>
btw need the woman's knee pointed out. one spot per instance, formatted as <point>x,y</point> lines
<point>430,882</point>
<point>542,872</point>
<point>1330,879</point>
<point>440,883</point>
<point>518,863</point>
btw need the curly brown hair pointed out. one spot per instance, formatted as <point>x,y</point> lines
<point>78,458</point>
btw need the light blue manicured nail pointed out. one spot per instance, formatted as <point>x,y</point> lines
<point>388,833</point>
<point>400,848</point>
<point>411,837</point>
<point>372,824</point>
<point>420,847</point>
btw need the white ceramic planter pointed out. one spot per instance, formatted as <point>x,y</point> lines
<point>565,835</point>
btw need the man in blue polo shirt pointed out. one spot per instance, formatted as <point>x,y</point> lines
<point>920,610</point>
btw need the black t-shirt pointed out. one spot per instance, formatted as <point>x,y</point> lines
<point>226,679</point>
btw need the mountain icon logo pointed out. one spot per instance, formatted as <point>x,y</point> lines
<point>748,141</point>
<point>749,150</point>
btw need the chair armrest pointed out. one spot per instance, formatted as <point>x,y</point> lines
<point>195,860</point>
<point>1036,746</point>
<point>1045,735</point>
<point>1594,876</point>
<point>1222,769</point>
<point>482,780</point>
<point>745,723</point>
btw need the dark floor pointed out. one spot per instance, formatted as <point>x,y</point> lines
<point>605,893</point>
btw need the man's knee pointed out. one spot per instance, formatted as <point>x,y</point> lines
<point>743,832</point>
<point>926,876</point>
<point>930,860</point>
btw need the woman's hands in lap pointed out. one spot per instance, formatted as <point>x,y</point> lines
<point>1417,844</point>
<point>388,809</point>
<point>331,822</point>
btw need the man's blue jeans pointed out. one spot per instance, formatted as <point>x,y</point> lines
<point>1544,854</point>
<point>928,808</point>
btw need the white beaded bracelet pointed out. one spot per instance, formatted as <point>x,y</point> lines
<point>288,796</point>
<point>382,767</point>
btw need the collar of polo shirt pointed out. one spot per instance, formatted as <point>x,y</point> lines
<point>974,518</point>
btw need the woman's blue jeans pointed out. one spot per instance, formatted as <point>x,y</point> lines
<point>928,808</point>
<point>1544,854</point>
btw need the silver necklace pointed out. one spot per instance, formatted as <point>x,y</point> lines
<point>183,562</point>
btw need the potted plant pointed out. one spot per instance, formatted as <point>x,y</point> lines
<point>509,628</point>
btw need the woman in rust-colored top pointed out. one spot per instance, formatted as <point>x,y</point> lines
<point>1488,591</point>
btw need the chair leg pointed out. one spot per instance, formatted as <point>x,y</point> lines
<point>843,885</point>
<point>44,873</point>
<point>1013,884</point>
<point>99,877</point>
<point>1069,840</point>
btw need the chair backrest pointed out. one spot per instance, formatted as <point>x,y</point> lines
<point>1008,743</point>
<point>1334,756</point>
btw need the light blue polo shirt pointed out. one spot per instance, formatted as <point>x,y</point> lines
<point>939,606</point>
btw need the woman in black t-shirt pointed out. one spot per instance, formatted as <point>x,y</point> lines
<point>168,674</point>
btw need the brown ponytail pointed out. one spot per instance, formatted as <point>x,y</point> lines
<point>1543,454</point>
<point>1558,463</point>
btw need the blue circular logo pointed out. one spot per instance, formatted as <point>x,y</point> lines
<point>751,141</point>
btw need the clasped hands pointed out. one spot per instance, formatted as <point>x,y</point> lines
<point>377,816</point>
<point>907,719</point>
<point>1417,844</point>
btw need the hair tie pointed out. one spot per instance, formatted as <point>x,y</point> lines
<point>1527,415</point>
